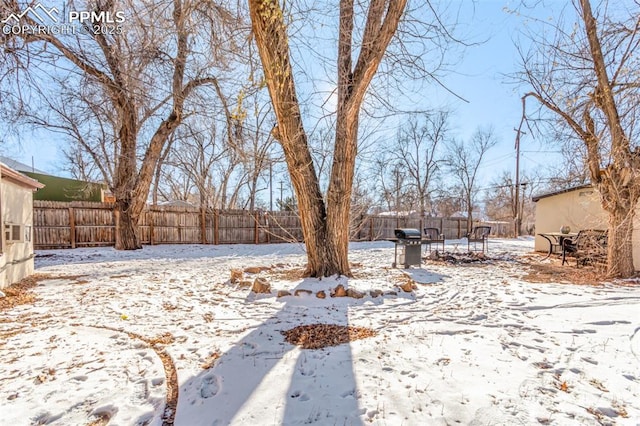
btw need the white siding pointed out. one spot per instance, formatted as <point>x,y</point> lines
<point>16,261</point>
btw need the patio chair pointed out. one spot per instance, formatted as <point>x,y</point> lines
<point>479,234</point>
<point>590,245</point>
<point>433,236</point>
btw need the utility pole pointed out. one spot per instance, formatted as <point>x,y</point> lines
<point>524,188</point>
<point>281,200</point>
<point>270,184</point>
<point>517,218</point>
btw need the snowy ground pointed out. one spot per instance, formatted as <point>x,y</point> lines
<point>473,344</point>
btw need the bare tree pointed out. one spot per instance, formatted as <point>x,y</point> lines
<point>448,202</point>
<point>197,150</point>
<point>160,168</point>
<point>587,77</point>
<point>418,152</point>
<point>80,165</point>
<point>500,201</point>
<point>131,87</point>
<point>325,225</point>
<point>464,161</point>
<point>258,154</point>
<point>365,31</point>
<point>176,186</point>
<point>383,186</point>
<point>321,146</point>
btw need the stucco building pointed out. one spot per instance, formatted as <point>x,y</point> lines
<point>16,212</point>
<point>579,208</point>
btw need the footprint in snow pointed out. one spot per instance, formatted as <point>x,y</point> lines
<point>372,413</point>
<point>589,360</point>
<point>140,392</point>
<point>210,386</point>
<point>249,346</point>
<point>300,396</point>
<point>352,393</point>
<point>307,371</point>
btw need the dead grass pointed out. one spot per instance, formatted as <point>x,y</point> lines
<point>558,273</point>
<point>210,361</point>
<point>161,339</point>
<point>100,420</point>
<point>316,336</point>
<point>286,274</point>
<point>20,294</point>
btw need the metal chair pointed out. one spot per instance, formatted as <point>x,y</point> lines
<point>433,236</point>
<point>479,234</point>
<point>588,246</point>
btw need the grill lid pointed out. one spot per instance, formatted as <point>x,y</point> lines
<point>407,233</point>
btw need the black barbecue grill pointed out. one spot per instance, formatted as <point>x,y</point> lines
<point>408,247</point>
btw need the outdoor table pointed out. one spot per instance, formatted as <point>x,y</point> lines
<point>555,239</point>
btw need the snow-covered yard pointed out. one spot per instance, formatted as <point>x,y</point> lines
<point>112,336</point>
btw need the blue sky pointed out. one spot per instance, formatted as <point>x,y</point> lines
<point>482,78</point>
<point>479,77</point>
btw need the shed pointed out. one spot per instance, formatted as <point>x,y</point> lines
<point>579,208</point>
<point>16,213</point>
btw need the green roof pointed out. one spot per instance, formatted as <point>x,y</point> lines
<point>64,189</point>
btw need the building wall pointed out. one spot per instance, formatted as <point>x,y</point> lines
<point>64,189</point>
<point>578,209</point>
<point>16,261</point>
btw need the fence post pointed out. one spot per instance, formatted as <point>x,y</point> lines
<point>203,225</point>
<point>152,217</point>
<point>268,226</point>
<point>116,224</point>
<point>72,227</point>
<point>256,230</point>
<point>216,237</point>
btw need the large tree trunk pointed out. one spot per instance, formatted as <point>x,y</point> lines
<point>381,24</point>
<point>271,38</point>
<point>341,188</point>
<point>126,227</point>
<point>125,180</point>
<point>325,228</point>
<point>621,203</point>
<point>619,183</point>
<point>132,186</point>
<point>620,248</point>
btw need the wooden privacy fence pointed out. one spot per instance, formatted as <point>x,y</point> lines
<point>372,228</point>
<point>90,224</point>
<point>87,224</point>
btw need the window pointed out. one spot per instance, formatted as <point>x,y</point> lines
<point>13,233</point>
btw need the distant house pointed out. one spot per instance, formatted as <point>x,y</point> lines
<point>60,188</point>
<point>579,208</point>
<point>16,212</point>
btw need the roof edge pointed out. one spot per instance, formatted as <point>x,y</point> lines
<point>535,198</point>
<point>18,178</point>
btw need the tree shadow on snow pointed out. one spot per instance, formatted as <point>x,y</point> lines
<point>245,385</point>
